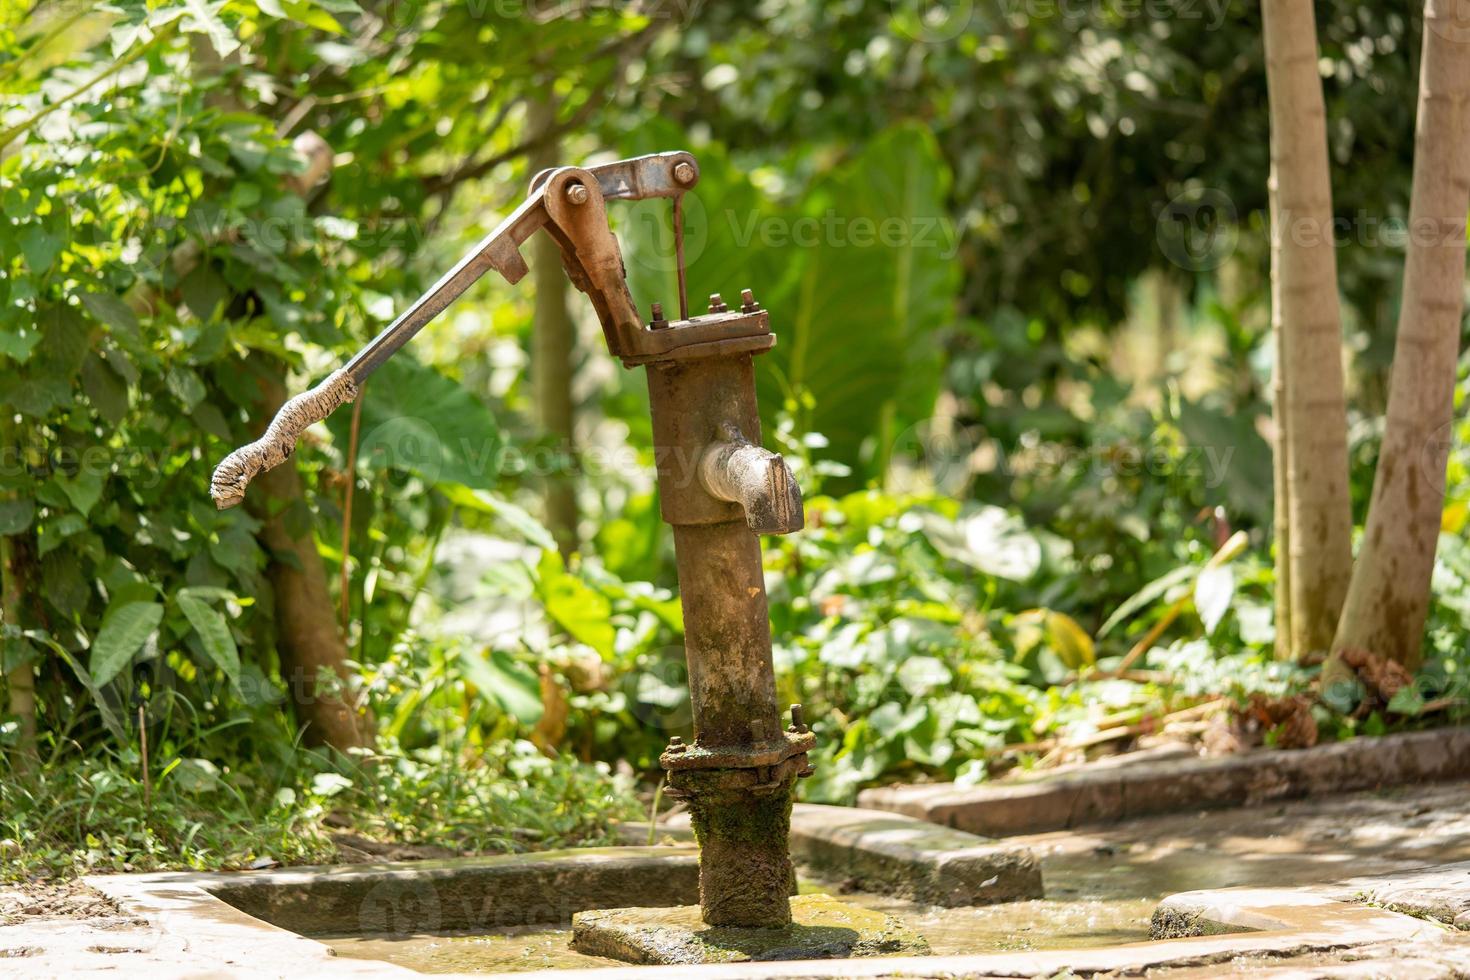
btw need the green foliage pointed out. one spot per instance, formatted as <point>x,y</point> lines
<point>97,814</point>
<point>951,229</point>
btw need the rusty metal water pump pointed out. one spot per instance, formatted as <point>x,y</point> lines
<point>718,489</point>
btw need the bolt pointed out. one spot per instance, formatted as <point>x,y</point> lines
<point>676,744</point>
<point>684,173</point>
<point>577,193</point>
<point>747,302</point>
<point>717,305</point>
<point>798,719</point>
<point>658,322</point>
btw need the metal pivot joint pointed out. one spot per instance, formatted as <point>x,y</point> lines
<point>717,487</point>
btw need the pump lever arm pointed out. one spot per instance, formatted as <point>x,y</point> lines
<point>568,202</point>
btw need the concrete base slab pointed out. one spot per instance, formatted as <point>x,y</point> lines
<point>1282,910</point>
<point>1126,792</point>
<point>1440,893</point>
<point>898,855</point>
<point>822,928</point>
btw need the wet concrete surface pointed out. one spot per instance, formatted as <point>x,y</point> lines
<point>1102,883</point>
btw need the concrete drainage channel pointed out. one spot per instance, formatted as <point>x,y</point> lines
<point>511,913</point>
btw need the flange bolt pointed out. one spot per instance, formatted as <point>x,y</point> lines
<point>747,302</point>
<point>577,193</point>
<point>716,304</point>
<point>684,173</point>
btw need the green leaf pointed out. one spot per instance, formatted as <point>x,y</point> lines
<point>40,248</point>
<point>305,12</point>
<point>203,18</point>
<point>38,397</point>
<point>16,515</point>
<point>18,343</point>
<point>583,612</point>
<point>1147,595</point>
<point>107,392</point>
<point>1212,594</point>
<point>83,490</point>
<point>112,312</point>
<point>1064,637</point>
<point>125,629</point>
<point>517,519</point>
<point>110,720</point>
<point>986,538</point>
<point>415,419</point>
<point>213,630</point>
<point>512,686</point>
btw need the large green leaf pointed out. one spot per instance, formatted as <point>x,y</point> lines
<point>125,628</point>
<point>578,608</point>
<point>511,685</point>
<point>213,629</point>
<point>418,420</point>
<point>877,280</point>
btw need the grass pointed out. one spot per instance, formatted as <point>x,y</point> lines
<point>95,813</point>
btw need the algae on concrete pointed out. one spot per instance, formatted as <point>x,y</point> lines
<point>822,928</point>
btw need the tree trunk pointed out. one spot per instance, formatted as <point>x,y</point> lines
<point>553,344</point>
<point>311,650</point>
<point>1306,312</point>
<point>20,682</point>
<point>1389,596</point>
<point>1281,449</point>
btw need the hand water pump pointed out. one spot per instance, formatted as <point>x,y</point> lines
<point>717,487</point>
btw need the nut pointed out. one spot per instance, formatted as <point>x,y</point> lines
<point>657,321</point>
<point>716,304</point>
<point>684,173</point>
<point>577,193</point>
<point>747,302</point>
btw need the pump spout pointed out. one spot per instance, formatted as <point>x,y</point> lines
<point>735,470</point>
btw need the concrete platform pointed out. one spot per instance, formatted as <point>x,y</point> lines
<point>822,928</point>
<point>1127,792</point>
<point>171,926</point>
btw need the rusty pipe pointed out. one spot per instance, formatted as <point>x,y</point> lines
<point>735,470</point>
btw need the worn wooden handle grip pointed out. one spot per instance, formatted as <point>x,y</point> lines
<point>235,471</point>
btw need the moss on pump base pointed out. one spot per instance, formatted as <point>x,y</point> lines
<point>745,873</point>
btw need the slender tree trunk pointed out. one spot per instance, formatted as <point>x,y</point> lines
<point>20,682</point>
<point>310,647</point>
<point>1319,508</point>
<point>1389,596</point>
<point>553,344</point>
<point>1281,448</point>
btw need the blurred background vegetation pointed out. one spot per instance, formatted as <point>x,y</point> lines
<point>1016,259</point>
